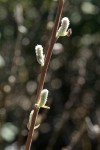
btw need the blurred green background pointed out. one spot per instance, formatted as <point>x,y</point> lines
<point>73,78</point>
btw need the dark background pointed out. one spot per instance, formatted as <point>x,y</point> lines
<point>73,78</point>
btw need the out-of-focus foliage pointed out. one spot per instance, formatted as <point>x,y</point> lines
<point>73,77</point>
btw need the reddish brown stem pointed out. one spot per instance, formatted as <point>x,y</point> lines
<point>49,50</point>
<point>43,72</point>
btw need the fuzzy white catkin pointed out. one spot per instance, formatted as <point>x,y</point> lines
<point>65,23</point>
<point>39,49</point>
<point>43,97</point>
<point>39,54</point>
<point>62,31</point>
<point>30,119</point>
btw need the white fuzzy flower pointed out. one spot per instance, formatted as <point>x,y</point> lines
<point>43,99</point>
<point>39,49</point>
<point>30,120</point>
<point>39,54</point>
<point>62,31</point>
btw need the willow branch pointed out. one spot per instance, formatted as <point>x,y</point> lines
<point>43,72</point>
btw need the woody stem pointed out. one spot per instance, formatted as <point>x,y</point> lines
<point>43,73</point>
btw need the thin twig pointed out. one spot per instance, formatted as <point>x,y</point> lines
<point>43,73</point>
<point>76,138</point>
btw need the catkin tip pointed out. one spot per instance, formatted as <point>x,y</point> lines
<point>39,54</point>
